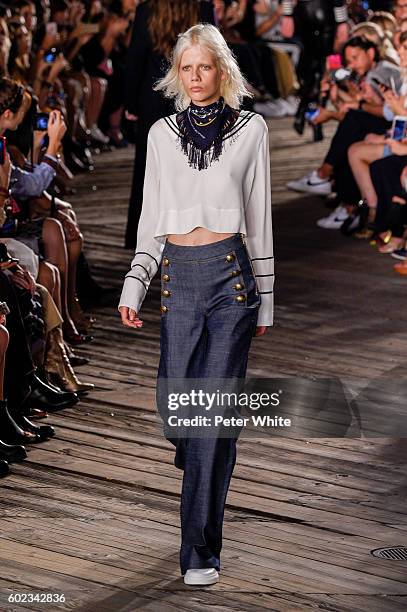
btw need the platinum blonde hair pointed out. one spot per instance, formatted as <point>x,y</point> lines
<point>233,88</point>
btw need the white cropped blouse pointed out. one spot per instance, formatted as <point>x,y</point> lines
<point>232,195</point>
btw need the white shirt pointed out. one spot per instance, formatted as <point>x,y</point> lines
<point>232,195</point>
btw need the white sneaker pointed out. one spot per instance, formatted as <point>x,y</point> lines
<point>311,183</point>
<point>335,219</point>
<point>271,110</point>
<point>206,575</point>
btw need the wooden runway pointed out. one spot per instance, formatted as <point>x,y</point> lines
<point>93,513</point>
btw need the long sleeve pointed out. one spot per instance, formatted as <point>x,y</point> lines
<point>25,184</point>
<point>149,250</point>
<point>259,238</point>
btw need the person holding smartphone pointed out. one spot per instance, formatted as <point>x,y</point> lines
<point>206,219</point>
<point>376,146</point>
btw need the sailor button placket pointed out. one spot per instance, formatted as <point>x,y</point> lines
<point>240,298</point>
<point>165,278</point>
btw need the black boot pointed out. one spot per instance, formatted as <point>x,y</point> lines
<point>12,454</point>
<point>46,397</point>
<point>11,433</point>
<point>4,469</point>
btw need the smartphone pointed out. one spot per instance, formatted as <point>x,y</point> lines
<point>50,56</point>
<point>51,28</point>
<point>399,128</point>
<point>3,149</point>
<point>334,62</point>
<point>41,122</point>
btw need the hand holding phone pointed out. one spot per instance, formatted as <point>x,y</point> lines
<point>399,128</point>
<point>56,127</point>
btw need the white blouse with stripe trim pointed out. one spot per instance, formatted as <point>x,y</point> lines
<point>232,195</point>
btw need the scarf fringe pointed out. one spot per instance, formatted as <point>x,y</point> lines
<point>201,158</point>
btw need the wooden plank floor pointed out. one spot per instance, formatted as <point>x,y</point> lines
<point>93,513</point>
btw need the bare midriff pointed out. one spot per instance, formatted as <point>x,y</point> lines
<point>197,237</point>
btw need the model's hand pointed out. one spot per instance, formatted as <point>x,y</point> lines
<point>261,330</point>
<point>130,318</point>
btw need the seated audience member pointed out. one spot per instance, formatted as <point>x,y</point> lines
<point>362,114</point>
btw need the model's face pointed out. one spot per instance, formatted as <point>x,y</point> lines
<point>200,75</point>
<point>359,60</point>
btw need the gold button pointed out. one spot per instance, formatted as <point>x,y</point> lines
<point>238,286</point>
<point>166,278</point>
<point>235,273</point>
<point>230,258</point>
<point>166,293</point>
<point>240,298</point>
<point>164,308</point>
<point>166,261</point>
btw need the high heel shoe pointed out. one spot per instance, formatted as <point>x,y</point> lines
<point>58,366</point>
<point>11,433</point>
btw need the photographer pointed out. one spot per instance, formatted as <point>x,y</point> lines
<point>363,115</point>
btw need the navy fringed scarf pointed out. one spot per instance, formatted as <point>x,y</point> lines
<point>202,129</point>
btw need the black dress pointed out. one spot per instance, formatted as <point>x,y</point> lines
<point>144,68</point>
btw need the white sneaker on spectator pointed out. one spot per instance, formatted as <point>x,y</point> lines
<point>335,219</point>
<point>271,110</point>
<point>207,575</point>
<point>311,183</point>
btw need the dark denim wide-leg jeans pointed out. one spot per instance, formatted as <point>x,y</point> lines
<point>209,310</point>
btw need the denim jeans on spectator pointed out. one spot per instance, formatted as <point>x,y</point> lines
<point>205,333</point>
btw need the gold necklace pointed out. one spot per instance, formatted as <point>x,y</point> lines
<point>203,124</point>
